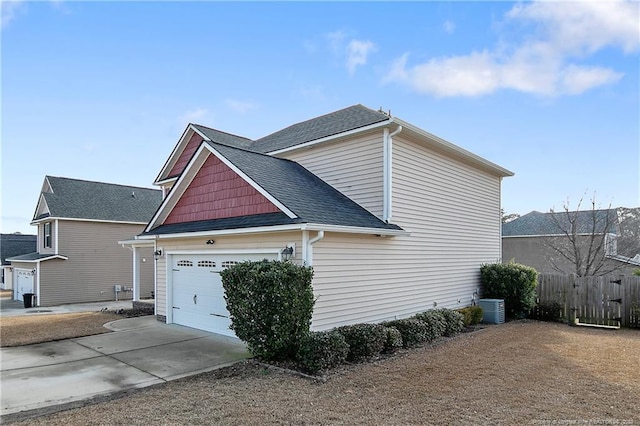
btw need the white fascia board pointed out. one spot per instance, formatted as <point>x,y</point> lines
<point>333,137</point>
<point>78,219</point>
<point>455,150</point>
<point>162,182</point>
<point>182,142</point>
<point>42,206</point>
<point>226,251</point>
<point>285,228</point>
<point>138,243</point>
<point>254,184</point>
<point>548,235</point>
<point>53,256</point>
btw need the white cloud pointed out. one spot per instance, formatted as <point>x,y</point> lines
<point>544,63</point>
<point>9,11</point>
<point>192,116</point>
<point>240,106</point>
<point>449,27</point>
<point>352,51</point>
<point>357,53</point>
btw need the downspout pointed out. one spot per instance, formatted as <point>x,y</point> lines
<point>310,243</point>
<point>387,147</point>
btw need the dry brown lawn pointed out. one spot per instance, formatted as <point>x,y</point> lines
<point>28,329</point>
<point>518,373</point>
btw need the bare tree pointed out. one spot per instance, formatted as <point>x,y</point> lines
<point>580,241</point>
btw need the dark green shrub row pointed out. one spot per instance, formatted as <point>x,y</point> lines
<point>393,340</point>
<point>514,283</point>
<point>547,311</point>
<point>364,340</point>
<point>271,304</point>
<point>472,315</point>
<point>413,331</point>
<point>322,350</point>
<point>453,321</point>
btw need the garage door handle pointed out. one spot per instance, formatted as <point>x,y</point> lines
<point>195,299</point>
<point>218,315</point>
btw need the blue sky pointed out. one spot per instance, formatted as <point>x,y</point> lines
<point>103,90</point>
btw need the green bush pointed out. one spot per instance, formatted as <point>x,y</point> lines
<point>413,331</point>
<point>271,304</point>
<point>322,350</point>
<point>453,320</point>
<point>472,315</point>
<point>364,340</point>
<point>547,311</point>
<point>514,283</point>
<point>436,324</point>
<point>393,340</point>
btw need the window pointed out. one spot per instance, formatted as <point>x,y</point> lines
<point>206,264</point>
<point>47,235</point>
<point>610,245</point>
<point>185,263</point>
<point>229,263</point>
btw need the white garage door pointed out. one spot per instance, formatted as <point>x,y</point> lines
<point>23,282</point>
<point>198,295</point>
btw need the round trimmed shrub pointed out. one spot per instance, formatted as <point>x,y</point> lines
<point>365,340</point>
<point>513,282</point>
<point>453,320</point>
<point>414,332</point>
<point>393,340</point>
<point>472,315</point>
<point>271,303</point>
<point>322,350</point>
<point>435,322</point>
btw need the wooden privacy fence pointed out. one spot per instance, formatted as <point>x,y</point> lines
<point>607,301</point>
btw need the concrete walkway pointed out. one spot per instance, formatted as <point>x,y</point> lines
<point>140,352</point>
<point>9,308</point>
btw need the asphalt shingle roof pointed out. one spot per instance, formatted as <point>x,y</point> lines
<point>32,256</point>
<point>537,223</point>
<point>16,244</point>
<point>81,199</point>
<point>223,137</point>
<point>306,195</point>
<point>346,119</point>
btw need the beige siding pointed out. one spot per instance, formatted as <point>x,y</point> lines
<point>243,242</point>
<point>353,167</point>
<point>96,262</point>
<point>453,213</point>
<point>146,272</point>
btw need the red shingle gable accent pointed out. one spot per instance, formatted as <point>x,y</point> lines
<point>186,155</point>
<point>217,192</point>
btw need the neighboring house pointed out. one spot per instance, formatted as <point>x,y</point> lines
<point>78,258</point>
<point>394,220</point>
<point>13,245</point>
<point>542,240</point>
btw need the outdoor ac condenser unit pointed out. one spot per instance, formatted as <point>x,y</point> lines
<point>492,310</point>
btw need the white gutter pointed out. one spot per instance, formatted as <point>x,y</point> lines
<point>387,142</point>
<point>309,260</point>
<point>275,228</point>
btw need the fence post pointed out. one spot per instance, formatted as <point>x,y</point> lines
<point>572,299</point>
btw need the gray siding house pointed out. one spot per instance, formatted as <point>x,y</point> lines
<point>78,258</point>
<point>394,220</point>
<point>14,245</point>
<point>543,241</point>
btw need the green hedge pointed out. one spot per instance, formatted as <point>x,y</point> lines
<point>365,340</point>
<point>322,350</point>
<point>393,340</point>
<point>436,324</point>
<point>413,331</point>
<point>471,315</point>
<point>514,283</point>
<point>271,304</point>
<point>453,321</point>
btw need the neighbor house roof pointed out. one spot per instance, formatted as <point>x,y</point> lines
<point>16,244</point>
<point>308,197</point>
<point>36,257</point>
<point>537,223</point>
<point>98,201</point>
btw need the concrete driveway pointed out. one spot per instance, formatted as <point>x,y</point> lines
<point>140,352</point>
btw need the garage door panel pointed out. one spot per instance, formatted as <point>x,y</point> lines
<point>199,276</point>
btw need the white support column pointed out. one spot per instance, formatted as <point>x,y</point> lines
<point>136,273</point>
